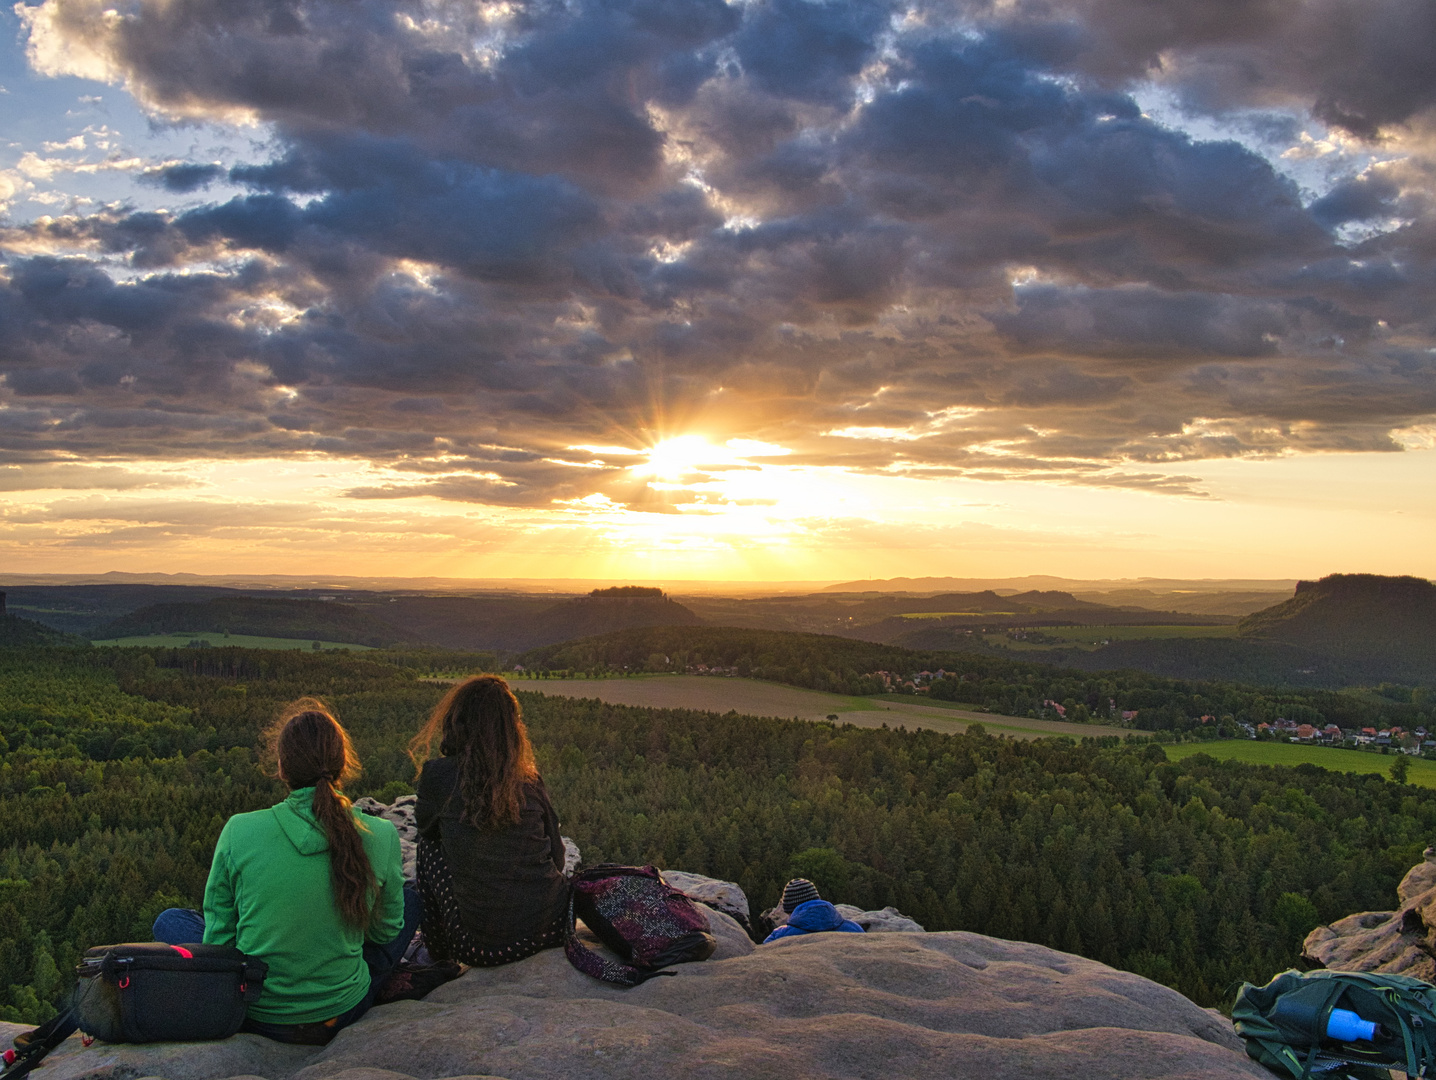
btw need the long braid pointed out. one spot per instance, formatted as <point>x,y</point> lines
<point>311,747</point>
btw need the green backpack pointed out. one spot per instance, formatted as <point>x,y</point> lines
<point>1284,1024</point>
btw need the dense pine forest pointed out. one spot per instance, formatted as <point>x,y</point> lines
<point>120,766</point>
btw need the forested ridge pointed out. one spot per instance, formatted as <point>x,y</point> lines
<point>264,616</point>
<point>120,766</point>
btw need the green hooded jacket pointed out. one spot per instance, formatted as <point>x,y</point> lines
<point>269,895</point>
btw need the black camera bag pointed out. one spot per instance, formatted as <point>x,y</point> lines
<point>147,992</point>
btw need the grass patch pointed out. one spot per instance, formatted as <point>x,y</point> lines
<point>707,693</point>
<point>925,701</point>
<point>219,641</point>
<point>966,713</point>
<point>1423,773</point>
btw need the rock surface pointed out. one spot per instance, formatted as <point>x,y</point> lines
<point>726,896</point>
<point>887,921</point>
<point>825,1006</point>
<point>1400,942</point>
<point>401,813</point>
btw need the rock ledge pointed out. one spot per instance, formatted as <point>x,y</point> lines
<point>1400,942</point>
<point>827,1006</point>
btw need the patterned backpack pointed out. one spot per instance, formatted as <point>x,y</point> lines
<point>648,923</point>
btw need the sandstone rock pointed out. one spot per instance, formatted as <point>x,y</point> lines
<point>830,1006</point>
<point>723,895</point>
<point>401,813</point>
<point>570,856</point>
<point>243,1055</point>
<point>733,939</point>
<point>1400,942</point>
<point>887,921</point>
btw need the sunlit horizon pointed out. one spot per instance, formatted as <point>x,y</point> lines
<point>732,511</point>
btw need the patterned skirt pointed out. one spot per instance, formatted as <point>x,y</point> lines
<point>444,932</point>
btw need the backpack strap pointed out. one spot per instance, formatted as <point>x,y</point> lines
<point>1418,1046</point>
<point>1334,991</point>
<point>31,1047</point>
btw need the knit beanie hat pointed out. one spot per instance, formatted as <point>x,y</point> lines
<point>798,891</point>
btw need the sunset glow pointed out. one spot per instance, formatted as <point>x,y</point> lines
<point>713,303</point>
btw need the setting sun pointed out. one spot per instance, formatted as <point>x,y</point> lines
<point>673,459</point>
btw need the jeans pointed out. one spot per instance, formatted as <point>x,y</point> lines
<point>183,926</point>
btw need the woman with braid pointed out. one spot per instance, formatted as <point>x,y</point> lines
<point>490,857</point>
<point>310,886</point>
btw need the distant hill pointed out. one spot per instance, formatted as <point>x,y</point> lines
<point>1363,619</point>
<point>603,612</point>
<point>1344,630</point>
<point>882,617</point>
<point>266,618</point>
<point>1046,581</point>
<point>1208,596</point>
<point>462,622</point>
<point>18,633</point>
<point>82,609</point>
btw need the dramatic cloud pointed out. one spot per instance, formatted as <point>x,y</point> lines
<point>939,239</point>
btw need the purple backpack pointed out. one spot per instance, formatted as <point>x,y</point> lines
<point>648,923</point>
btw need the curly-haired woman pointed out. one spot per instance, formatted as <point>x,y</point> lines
<point>490,856</point>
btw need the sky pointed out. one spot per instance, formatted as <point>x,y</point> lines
<point>691,289</point>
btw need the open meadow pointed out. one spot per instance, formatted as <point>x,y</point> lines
<point>754,697</point>
<point>1422,774</point>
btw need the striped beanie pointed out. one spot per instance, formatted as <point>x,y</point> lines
<point>798,891</point>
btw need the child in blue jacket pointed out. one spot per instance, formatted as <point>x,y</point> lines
<point>809,914</point>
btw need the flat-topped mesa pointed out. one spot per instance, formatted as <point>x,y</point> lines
<point>1400,942</point>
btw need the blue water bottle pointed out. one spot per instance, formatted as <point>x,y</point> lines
<point>1345,1026</point>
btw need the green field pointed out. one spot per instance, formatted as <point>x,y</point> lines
<point>1094,637</point>
<point>1423,773</point>
<point>234,641</point>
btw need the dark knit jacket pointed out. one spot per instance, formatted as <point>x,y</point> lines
<point>508,882</point>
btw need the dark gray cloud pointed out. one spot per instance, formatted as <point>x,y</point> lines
<point>1361,64</point>
<point>183,177</point>
<point>939,229</point>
